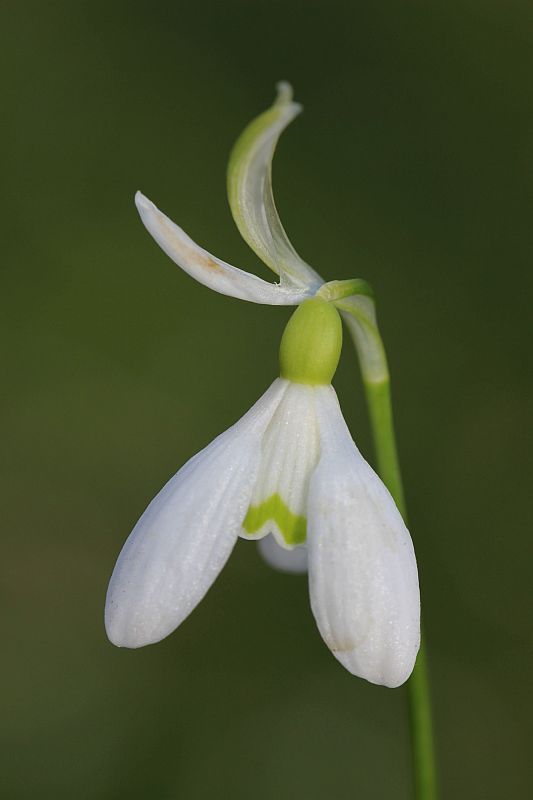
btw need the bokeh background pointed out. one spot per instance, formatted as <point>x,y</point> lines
<point>411,167</point>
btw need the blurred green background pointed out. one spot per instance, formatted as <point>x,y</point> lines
<point>411,167</point>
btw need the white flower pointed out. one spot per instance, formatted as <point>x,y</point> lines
<point>288,473</point>
<point>288,468</point>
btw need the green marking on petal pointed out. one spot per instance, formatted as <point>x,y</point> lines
<point>293,527</point>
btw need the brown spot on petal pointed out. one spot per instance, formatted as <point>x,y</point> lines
<point>189,253</point>
<point>210,263</point>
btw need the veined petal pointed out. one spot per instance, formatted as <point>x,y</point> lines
<point>209,269</point>
<point>186,534</point>
<point>362,569</point>
<point>250,193</point>
<point>289,454</point>
<point>293,561</point>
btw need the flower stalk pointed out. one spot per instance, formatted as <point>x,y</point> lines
<point>373,361</point>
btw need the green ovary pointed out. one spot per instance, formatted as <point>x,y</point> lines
<point>293,527</point>
<point>311,343</point>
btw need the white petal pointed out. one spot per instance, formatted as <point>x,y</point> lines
<point>362,569</point>
<point>186,534</point>
<point>289,454</point>
<point>208,269</point>
<point>250,192</point>
<point>293,561</point>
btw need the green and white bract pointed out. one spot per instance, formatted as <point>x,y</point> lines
<point>288,473</point>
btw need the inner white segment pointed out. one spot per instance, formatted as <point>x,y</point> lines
<point>292,561</point>
<point>289,454</point>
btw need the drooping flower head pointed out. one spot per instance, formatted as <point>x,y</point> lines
<point>288,472</point>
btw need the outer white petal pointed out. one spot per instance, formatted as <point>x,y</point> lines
<point>293,561</point>
<point>186,534</point>
<point>208,269</point>
<point>250,192</point>
<point>362,569</point>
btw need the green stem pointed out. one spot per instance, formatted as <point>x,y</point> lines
<point>359,313</point>
<point>423,754</point>
<point>380,408</point>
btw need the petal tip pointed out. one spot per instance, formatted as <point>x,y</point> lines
<point>284,92</point>
<point>284,97</point>
<point>142,202</point>
<point>390,672</point>
<point>127,628</point>
<point>116,634</point>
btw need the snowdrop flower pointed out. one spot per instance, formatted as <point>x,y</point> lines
<point>287,473</point>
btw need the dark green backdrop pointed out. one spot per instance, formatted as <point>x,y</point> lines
<point>411,167</point>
